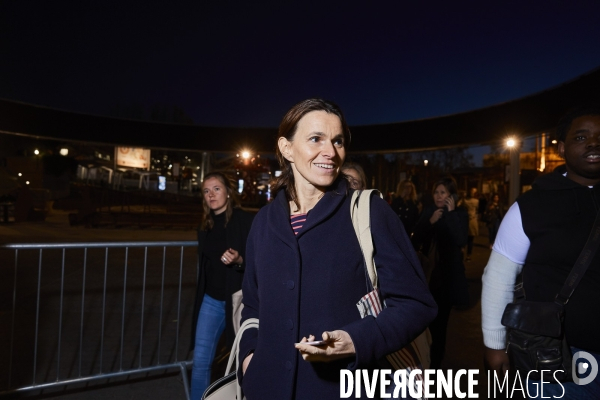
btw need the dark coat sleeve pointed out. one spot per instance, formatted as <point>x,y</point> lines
<point>409,304</point>
<point>250,299</point>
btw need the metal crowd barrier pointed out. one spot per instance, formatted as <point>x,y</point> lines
<point>72,313</point>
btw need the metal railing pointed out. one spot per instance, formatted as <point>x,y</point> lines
<point>81,312</point>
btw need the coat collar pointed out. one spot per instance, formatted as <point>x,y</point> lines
<point>325,207</point>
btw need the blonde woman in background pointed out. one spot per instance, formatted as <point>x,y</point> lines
<point>222,236</point>
<point>406,205</point>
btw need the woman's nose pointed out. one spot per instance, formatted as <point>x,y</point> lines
<point>328,149</point>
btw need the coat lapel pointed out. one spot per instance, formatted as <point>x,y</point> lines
<point>331,201</point>
<point>279,221</point>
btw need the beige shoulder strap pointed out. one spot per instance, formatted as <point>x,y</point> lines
<point>360,207</point>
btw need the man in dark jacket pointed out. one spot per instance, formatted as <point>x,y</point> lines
<point>543,234</point>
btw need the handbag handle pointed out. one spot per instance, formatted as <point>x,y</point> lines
<point>235,349</point>
<point>360,208</point>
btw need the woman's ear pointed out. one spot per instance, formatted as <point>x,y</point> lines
<point>285,148</point>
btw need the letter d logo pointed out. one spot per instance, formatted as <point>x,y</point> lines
<point>590,364</point>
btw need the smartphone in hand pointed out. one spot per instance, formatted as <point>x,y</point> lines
<point>316,343</point>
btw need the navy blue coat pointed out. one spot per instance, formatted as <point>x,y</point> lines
<point>310,283</point>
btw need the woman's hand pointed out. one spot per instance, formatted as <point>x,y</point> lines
<point>339,345</point>
<point>449,201</point>
<point>231,256</point>
<point>246,362</point>
<point>435,217</point>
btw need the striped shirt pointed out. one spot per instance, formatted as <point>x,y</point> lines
<point>297,221</point>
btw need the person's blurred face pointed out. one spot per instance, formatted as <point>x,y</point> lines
<point>316,151</point>
<point>215,195</point>
<point>406,191</point>
<point>473,192</point>
<point>439,195</point>
<point>581,150</point>
<point>353,178</point>
<point>496,198</point>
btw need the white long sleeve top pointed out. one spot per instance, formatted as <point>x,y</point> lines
<point>505,263</point>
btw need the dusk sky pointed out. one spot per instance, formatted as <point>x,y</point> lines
<point>245,63</point>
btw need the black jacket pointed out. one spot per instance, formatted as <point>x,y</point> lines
<point>407,211</point>
<point>449,236</point>
<point>557,216</point>
<point>236,235</point>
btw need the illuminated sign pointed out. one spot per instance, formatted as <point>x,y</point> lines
<point>133,157</point>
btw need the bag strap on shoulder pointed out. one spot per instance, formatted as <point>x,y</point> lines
<point>581,265</point>
<point>360,208</point>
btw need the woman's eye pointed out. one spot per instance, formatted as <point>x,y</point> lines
<point>314,139</point>
<point>339,142</point>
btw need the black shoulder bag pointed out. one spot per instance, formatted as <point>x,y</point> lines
<point>536,338</point>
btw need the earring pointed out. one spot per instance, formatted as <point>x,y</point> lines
<point>227,196</point>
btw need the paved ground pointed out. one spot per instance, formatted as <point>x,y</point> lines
<point>464,347</point>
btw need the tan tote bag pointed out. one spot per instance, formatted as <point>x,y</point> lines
<point>416,355</point>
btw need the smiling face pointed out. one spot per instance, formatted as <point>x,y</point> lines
<point>581,150</point>
<point>316,151</point>
<point>215,195</point>
<point>439,195</point>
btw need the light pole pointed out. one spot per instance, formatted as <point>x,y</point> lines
<point>425,163</point>
<point>515,169</point>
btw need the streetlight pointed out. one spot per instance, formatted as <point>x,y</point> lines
<point>514,170</point>
<point>425,163</point>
